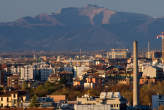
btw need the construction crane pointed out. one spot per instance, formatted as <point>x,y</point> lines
<point>162,37</point>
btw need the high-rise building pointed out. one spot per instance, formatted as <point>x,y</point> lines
<point>27,72</point>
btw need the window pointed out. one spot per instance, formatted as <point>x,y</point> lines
<point>14,95</point>
<point>7,99</point>
<point>1,98</point>
<point>14,101</point>
<point>1,105</point>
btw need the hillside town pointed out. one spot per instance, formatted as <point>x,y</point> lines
<point>110,80</point>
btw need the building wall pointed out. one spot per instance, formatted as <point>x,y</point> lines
<point>118,53</point>
<point>80,70</point>
<point>152,72</point>
<point>57,98</point>
<point>9,100</point>
<point>92,107</point>
<point>149,72</point>
<point>5,101</point>
<point>27,72</point>
<point>44,73</point>
<point>111,99</point>
<point>12,81</point>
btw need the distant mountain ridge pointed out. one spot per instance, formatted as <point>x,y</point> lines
<point>89,27</point>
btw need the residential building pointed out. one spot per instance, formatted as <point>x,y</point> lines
<point>3,78</point>
<point>106,101</point>
<point>153,72</point>
<point>27,72</point>
<point>146,80</point>
<point>12,81</point>
<point>80,70</point>
<point>45,102</point>
<point>12,98</point>
<point>53,78</point>
<point>58,98</point>
<point>118,53</point>
<point>66,77</point>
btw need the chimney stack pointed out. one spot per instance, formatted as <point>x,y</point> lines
<point>163,50</point>
<point>148,53</point>
<point>135,74</point>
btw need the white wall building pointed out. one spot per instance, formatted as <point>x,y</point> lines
<point>38,71</point>
<point>106,101</point>
<point>117,53</point>
<point>93,107</point>
<point>27,72</point>
<point>152,72</point>
<point>80,70</point>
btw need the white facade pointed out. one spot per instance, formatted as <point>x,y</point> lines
<point>39,71</point>
<point>27,72</point>
<point>92,107</point>
<point>80,70</point>
<point>88,85</point>
<point>152,72</point>
<point>117,53</point>
<point>106,101</point>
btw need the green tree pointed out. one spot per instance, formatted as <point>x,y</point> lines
<point>24,86</point>
<point>34,102</point>
<point>93,92</point>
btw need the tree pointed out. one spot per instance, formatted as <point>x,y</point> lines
<point>24,86</point>
<point>34,102</point>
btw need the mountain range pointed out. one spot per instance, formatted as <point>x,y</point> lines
<point>90,27</point>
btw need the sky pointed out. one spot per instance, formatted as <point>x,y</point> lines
<point>11,10</point>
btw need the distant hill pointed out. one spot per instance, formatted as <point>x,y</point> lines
<point>90,27</point>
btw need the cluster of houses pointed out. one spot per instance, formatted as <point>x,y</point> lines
<point>86,72</point>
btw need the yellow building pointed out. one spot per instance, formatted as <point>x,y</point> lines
<point>12,98</point>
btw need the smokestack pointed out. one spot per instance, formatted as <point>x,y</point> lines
<point>148,53</point>
<point>135,74</point>
<point>162,50</point>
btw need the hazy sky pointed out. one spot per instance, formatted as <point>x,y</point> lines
<point>12,9</point>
